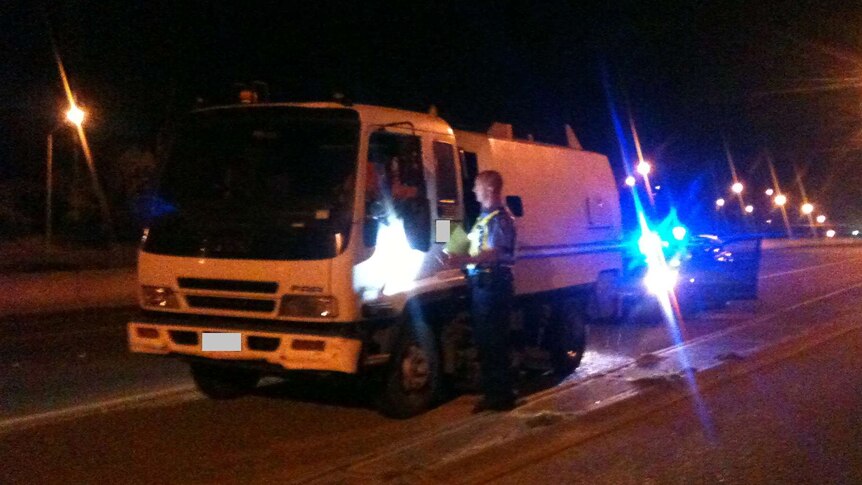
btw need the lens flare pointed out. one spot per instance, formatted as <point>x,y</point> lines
<point>393,267</point>
<point>655,257</point>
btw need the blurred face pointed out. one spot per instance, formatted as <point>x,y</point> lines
<point>484,193</point>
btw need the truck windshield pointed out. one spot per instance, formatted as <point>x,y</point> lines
<point>263,158</point>
<point>257,182</point>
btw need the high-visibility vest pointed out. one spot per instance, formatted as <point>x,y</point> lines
<point>479,234</point>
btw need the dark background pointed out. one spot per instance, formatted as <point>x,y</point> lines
<point>775,79</point>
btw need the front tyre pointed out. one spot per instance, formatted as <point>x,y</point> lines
<point>412,383</point>
<point>569,338</point>
<point>222,382</point>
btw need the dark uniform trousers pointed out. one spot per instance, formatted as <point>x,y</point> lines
<point>492,293</point>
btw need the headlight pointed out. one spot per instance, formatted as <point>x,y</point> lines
<point>159,296</point>
<point>308,306</point>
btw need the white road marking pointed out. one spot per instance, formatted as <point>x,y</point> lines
<point>185,391</point>
<point>799,270</point>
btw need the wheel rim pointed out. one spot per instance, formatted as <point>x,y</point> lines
<point>415,369</point>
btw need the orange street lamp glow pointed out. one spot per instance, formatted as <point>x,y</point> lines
<point>736,187</point>
<point>780,199</point>
<point>807,208</point>
<point>75,115</point>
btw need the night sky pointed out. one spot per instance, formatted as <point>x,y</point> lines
<point>775,79</point>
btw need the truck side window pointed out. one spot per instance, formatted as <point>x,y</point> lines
<point>447,181</point>
<point>469,170</point>
<point>399,159</point>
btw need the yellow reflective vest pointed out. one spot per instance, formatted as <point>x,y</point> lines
<point>479,234</point>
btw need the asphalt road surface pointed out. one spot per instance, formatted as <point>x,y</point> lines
<point>76,407</point>
<point>796,421</point>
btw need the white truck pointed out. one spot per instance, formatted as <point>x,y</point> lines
<point>283,240</point>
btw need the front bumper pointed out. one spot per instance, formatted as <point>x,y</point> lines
<point>329,347</point>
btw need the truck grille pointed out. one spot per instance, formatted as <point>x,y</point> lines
<point>240,304</point>
<point>269,287</point>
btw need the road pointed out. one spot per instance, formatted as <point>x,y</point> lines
<point>796,421</point>
<point>73,366</point>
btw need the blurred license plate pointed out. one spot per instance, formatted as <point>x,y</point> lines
<point>221,342</point>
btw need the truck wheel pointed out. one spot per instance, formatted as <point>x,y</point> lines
<point>569,338</point>
<point>412,383</point>
<point>222,382</point>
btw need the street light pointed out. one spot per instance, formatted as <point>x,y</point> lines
<point>719,202</point>
<point>830,233</point>
<point>807,208</point>
<point>74,115</point>
<point>630,181</point>
<point>644,168</point>
<point>769,192</point>
<point>780,200</point>
<point>821,219</point>
<point>749,209</point>
<point>736,187</point>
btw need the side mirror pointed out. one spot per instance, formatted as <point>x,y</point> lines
<point>417,223</point>
<point>369,232</point>
<point>515,205</point>
<point>374,213</point>
<point>376,210</point>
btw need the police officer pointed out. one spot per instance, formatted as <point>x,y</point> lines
<point>489,271</point>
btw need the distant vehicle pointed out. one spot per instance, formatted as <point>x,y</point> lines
<point>280,243</point>
<point>703,271</point>
<point>715,271</point>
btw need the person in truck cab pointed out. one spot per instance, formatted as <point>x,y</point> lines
<point>381,180</point>
<point>488,266</point>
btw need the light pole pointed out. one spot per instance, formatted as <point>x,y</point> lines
<point>49,186</point>
<point>75,116</point>
<point>806,209</point>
